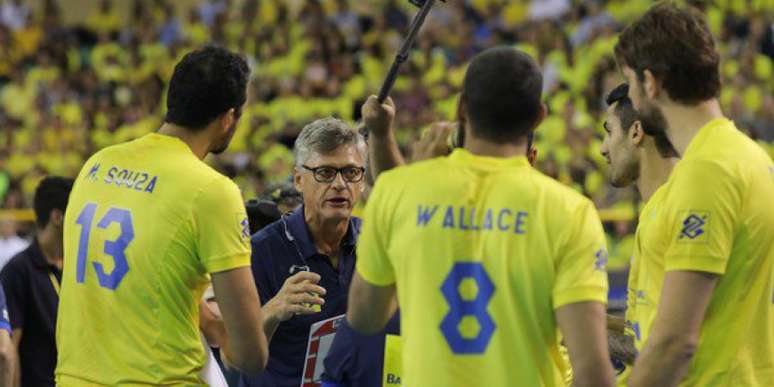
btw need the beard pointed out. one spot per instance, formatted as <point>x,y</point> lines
<point>627,174</point>
<point>225,141</point>
<point>652,118</point>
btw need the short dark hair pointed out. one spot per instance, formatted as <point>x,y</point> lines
<point>206,83</point>
<point>676,45</point>
<point>624,109</point>
<point>502,94</point>
<point>626,113</point>
<point>51,194</point>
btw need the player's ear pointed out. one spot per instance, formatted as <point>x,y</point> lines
<point>228,119</point>
<point>532,154</point>
<point>297,179</point>
<point>650,84</point>
<point>461,115</point>
<point>636,133</point>
<point>541,115</point>
<point>56,217</point>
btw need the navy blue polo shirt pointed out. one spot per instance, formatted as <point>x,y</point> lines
<point>280,250</point>
<point>31,289</point>
<point>356,360</point>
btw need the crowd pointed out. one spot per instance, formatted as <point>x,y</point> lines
<point>69,90</point>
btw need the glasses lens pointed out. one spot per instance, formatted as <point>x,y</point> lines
<point>325,174</point>
<point>352,174</point>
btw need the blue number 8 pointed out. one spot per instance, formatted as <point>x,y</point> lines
<point>459,308</point>
<point>115,249</point>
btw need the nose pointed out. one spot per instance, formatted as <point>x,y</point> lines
<point>339,183</point>
<point>604,149</point>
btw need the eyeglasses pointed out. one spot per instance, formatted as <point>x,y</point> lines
<point>325,174</point>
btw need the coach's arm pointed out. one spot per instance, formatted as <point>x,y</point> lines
<point>675,332</point>
<point>370,306</point>
<point>583,327</point>
<point>245,345</point>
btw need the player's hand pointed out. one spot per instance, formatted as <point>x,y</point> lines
<point>377,117</point>
<point>298,295</point>
<point>434,142</point>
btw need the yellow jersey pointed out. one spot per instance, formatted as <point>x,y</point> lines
<point>715,215</point>
<point>482,251</point>
<point>145,224</point>
<point>639,300</point>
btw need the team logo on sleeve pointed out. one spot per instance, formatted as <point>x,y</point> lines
<point>244,226</point>
<point>694,226</point>
<point>600,261</point>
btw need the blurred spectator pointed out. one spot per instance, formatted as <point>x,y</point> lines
<point>31,282</point>
<point>14,13</point>
<point>10,242</point>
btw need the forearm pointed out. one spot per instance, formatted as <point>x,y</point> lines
<point>384,153</point>
<point>270,320</point>
<point>663,362</point>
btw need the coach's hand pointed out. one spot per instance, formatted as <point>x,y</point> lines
<point>435,141</point>
<point>378,118</point>
<point>297,296</point>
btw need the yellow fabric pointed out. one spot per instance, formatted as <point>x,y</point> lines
<point>716,216</point>
<point>538,243</point>
<point>393,366</point>
<point>174,220</point>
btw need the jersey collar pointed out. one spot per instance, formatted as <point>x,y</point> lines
<point>463,156</point>
<point>299,230</point>
<point>705,134</point>
<point>171,141</point>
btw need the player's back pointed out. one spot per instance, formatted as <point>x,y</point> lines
<point>128,311</point>
<point>484,250</point>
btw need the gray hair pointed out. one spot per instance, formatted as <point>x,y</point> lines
<point>324,136</point>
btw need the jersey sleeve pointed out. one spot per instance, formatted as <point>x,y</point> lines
<point>701,215</point>
<point>581,260</point>
<point>373,261</point>
<point>221,231</point>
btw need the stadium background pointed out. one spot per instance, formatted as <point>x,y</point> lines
<point>79,75</point>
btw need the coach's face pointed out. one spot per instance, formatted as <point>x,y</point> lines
<point>644,93</point>
<point>620,149</point>
<point>331,198</point>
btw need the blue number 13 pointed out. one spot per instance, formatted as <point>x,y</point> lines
<point>115,249</point>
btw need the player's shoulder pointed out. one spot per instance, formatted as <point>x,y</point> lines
<point>557,194</point>
<point>421,168</point>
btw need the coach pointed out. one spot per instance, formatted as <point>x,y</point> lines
<point>303,263</point>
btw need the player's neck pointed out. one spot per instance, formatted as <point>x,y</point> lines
<point>684,121</point>
<point>199,141</point>
<point>51,245</point>
<point>488,148</point>
<point>654,171</point>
